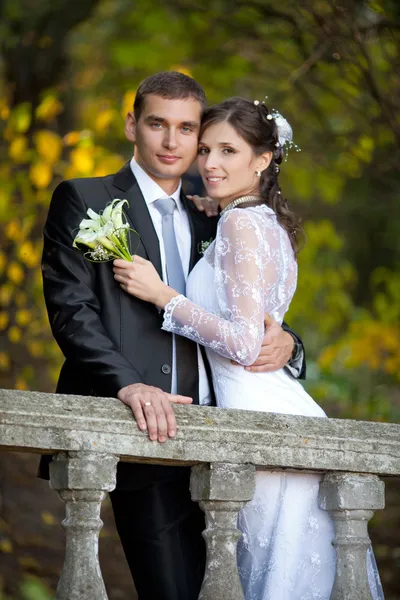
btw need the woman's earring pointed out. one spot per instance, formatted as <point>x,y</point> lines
<point>258,173</point>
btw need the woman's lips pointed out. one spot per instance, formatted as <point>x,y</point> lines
<point>168,159</point>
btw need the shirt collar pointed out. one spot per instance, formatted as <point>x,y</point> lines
<point>150,189</point>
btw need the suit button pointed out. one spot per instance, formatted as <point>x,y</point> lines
<point>166,369</point>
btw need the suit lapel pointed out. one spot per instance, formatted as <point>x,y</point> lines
<point>137,213</point>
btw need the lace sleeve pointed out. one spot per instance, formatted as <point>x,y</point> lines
<point>240,268</point>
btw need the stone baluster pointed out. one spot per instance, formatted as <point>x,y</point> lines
<point>222,490</point>
<point>82,480</point>
<point>351,499</point>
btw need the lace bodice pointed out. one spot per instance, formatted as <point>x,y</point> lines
<point>255,272</point>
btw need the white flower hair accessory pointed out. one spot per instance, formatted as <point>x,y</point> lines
<point>285,131</point>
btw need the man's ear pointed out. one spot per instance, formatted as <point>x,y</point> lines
<point>264,160</point>
<point>130,127</point>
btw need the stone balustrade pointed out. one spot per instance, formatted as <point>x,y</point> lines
<point>90,435</point>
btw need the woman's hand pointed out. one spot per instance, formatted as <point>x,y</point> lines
<point>141,279</point>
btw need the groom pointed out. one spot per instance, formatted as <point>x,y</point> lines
<point>114,345</point>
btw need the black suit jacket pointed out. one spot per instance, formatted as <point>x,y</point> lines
<point>109,338</point>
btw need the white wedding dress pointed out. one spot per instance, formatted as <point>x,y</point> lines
<point>286,551</point>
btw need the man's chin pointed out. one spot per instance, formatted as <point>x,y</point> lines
<point>170,171</point>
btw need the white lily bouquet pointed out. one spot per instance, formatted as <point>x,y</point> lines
<point>105,235</point>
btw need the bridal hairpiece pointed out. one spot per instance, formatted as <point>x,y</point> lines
<point>285,131</point>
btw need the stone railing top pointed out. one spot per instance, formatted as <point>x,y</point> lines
<point>38,422</point>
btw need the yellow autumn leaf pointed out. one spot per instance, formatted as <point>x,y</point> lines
<point>104,119</point>
<point>3,261</point>
<point>21,384</point>
<point>6,291</point>
<point>4,110</point>
<point>35,348</point>
<point>28,254</point>
<point>49,108</point>
<point>29,563</point>
<point>21,117</point>
<point>49,145</point>
<point>127,102</point>
<point>23,317</point>
<point>13,231</point>
<point>4,203</point>
<point>3,320</point>
<point>72,138</point>
<point>109,164</point>
<point>48,518</point>
<point>17,149</point>
<point>6,546</point>
<point>15,273</point>
<point>4,361</point>
<point>70,172</point>
<point>82,160</point>
<point>14,334</point>
<point>40,174</point>
<point>8,133</point>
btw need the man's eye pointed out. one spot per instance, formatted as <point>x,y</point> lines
<point>187,129</point>
<point>156,125</point>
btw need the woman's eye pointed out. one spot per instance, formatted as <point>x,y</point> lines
<point>228,151</point>
<point>202,151</point>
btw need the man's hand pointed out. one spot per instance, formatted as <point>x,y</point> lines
<point>207,205</point>
<point>276,349</point>
<point>152,409</point>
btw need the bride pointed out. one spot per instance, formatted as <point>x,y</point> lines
<point>286,550</point>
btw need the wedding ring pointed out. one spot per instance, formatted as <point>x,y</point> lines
<point>147,403</point>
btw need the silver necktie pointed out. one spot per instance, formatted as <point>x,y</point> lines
<point>175,274</point>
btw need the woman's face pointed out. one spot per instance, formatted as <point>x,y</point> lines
<point>227,164</point>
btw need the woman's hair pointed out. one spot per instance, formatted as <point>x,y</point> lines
<point>251,123</point>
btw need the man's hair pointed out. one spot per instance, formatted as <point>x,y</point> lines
<point>171,85</point>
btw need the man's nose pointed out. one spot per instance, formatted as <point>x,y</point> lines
<point>170,141</point>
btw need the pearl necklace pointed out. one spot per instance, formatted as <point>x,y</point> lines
<point>241,200</point>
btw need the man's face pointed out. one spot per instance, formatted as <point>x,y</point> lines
<point>165,137</point>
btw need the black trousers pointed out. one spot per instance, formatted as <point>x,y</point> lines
<point>160,530</point>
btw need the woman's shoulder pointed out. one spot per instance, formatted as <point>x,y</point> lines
<point>252,216</point>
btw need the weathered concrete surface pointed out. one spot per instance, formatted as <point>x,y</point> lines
<point>351,500</point>
<point>41,422</point>
<point>82,481</point>
<point>222,490</point>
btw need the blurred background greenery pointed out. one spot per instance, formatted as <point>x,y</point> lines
<point>68,74</point>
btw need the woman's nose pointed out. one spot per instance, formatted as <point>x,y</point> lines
<point>211,162</point>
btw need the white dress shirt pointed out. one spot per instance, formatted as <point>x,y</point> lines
<point>151,192</point>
